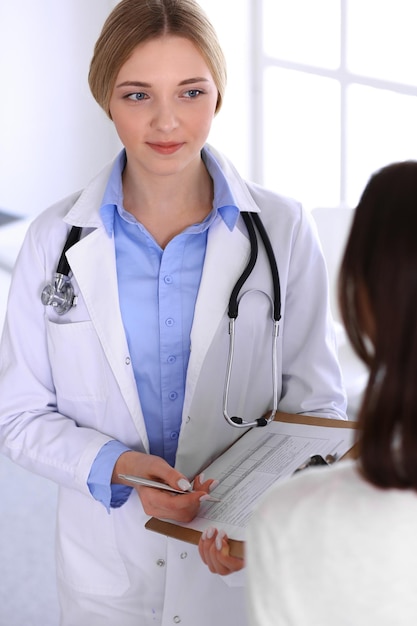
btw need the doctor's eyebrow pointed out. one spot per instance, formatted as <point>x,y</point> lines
<point>189,81</point>
<point>138,83</point>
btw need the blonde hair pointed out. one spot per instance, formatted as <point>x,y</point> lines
<point>133,22</point>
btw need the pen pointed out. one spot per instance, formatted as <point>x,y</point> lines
<point>146,482</point>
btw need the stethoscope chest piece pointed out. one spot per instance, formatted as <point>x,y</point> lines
<point>59,294</point>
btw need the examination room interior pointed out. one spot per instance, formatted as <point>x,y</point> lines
<point>316,101</point>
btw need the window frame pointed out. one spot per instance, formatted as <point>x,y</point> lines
<point>260,62</point>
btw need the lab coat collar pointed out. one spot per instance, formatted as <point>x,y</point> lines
<point>224,249</point>
<point>85,211</point>
<point>243,198</point>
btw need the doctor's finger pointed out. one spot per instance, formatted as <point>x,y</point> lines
<point>205,485</point>
<point>214,550</point>
<point>149,466</point>
<point>159,469</point>
<point>177,507</point>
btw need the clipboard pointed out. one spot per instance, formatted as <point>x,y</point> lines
<point>189,535</point>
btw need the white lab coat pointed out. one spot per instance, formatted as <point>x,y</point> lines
<point>67,387</point>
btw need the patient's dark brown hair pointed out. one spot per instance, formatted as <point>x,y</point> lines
<point>378,301</point>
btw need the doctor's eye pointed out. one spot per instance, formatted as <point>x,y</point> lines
<point>193,93</point>
<point>137,96</point>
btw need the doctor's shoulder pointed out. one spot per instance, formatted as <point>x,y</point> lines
<point>277,210</point>
<point>55,213</point>
<point>49,226</point>
<point>78,208</point>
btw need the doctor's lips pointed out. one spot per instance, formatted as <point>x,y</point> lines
<point>165,148</point>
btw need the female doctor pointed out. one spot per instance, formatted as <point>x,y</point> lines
<point>129,377</point>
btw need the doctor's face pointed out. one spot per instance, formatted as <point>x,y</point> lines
<point>163,104</point>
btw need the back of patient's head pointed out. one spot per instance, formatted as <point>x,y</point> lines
<point>378,301</point>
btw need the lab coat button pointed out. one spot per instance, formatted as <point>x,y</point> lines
<point>127,361</point>
<point>160,563</point>
<point>177,619</point>
<point>183,555</point>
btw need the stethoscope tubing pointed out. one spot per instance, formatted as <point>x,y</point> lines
<point>74,236</point>
<point>251,220</point>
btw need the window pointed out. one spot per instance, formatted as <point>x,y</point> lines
<point>337,94</point>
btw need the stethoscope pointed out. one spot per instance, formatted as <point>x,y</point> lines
<point>60,295</point>
<point>251,220</point>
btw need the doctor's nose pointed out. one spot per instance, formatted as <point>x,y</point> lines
<point>165,118</point>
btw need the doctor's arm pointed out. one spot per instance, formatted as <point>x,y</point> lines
<point>112,491</point>
<point>312,379</point>
<point>157,502</point>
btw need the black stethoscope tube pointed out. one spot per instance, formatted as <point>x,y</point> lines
<point>233,302</point>
<point>63,265</point>
<point>250,219</point>
<point>273,265</point>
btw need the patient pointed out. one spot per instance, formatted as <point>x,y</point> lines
<point>339,546</point>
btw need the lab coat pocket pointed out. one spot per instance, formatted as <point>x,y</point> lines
<point>77,361</point>
<point>88,559</point>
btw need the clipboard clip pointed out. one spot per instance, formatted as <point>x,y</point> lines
<point>315,460</point>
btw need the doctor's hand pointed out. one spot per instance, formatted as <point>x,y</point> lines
<point>214,549</point>
<point>156,502</point>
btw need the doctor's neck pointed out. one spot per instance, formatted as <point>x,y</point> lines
<point>166,203</point>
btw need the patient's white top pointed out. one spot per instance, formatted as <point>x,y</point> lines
<point>326,548</point>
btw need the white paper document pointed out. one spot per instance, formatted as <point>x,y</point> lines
<point>260,458</point>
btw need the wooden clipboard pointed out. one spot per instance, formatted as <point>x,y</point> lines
<point>189,535</point>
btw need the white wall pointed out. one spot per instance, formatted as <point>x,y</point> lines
<point>231,128</point>
<point>53,136</point>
